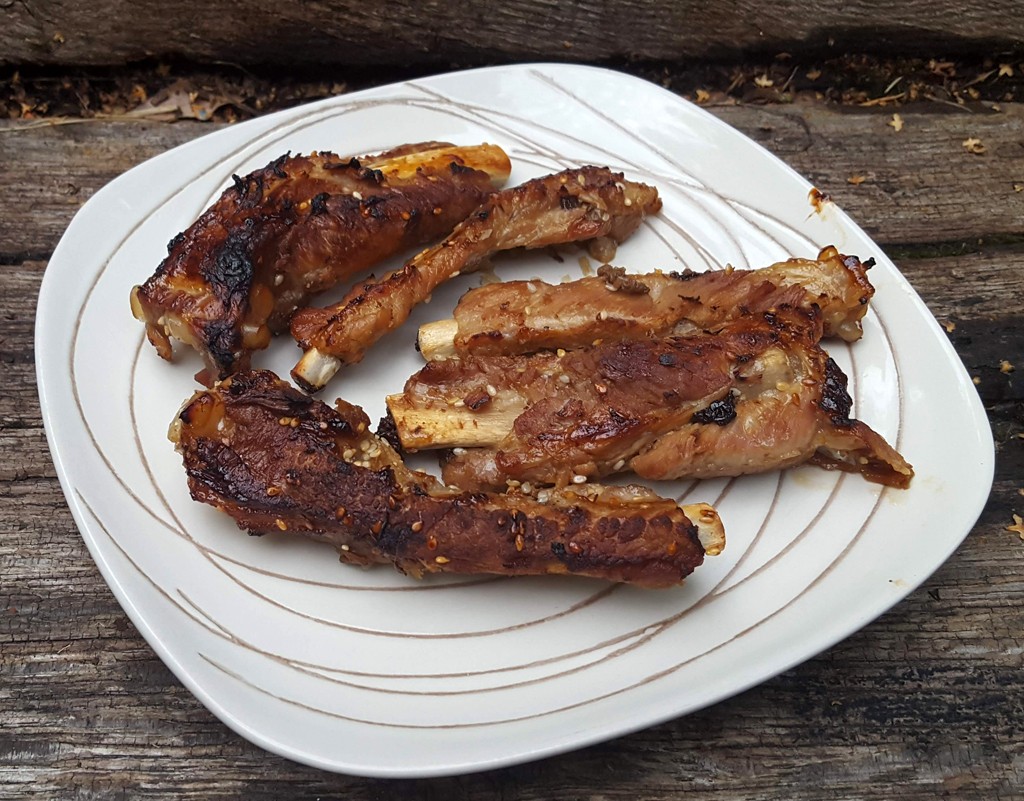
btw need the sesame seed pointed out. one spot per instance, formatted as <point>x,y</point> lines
<point>520,542</point>
<point>544,496</point>
<point>602,315</point>
<point>281,524</point>
<point>526,487</point>
<point>442,560</point>
<point>563,378</point>
<point>578,479</point>
<point>357,195</point>
<point>560,352</point>
<point>459,403</point>
<point>417,526</point>
<point>458,451</point>
<point>491,390</point>
<point>627,202</point>
<point>345,548</point>
<point>619,464</point>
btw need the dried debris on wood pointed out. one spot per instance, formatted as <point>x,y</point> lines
<point>225,92</point>
<point>973,145</point>
<point>158,94</point>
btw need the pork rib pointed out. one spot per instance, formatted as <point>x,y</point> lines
<point>297,227</point>
<point>527,316</point>
<point>758,395</point>
<point>275,460</point>
<point>571,206</point>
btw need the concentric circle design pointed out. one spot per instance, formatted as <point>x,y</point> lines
<point>345,668</point>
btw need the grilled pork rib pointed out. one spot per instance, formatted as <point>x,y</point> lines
<point>758,395</point>
<point>295,228</point>
<point>527,316</point>
<point>571,206</point>
<point>277,460</point>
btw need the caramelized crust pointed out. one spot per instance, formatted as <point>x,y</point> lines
<point>758,395</point>
<point>527,316</point>
<point>297,227</point>
<point>276,460</point>
<point>571,206</point>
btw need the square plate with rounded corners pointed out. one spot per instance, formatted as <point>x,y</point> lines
<point>368,672</point>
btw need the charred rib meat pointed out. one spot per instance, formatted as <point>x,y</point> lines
<point>277,460</point>
<point>572,206</point>
<point>528,316</point>
<point>758,395</point>
<point>295,228</point>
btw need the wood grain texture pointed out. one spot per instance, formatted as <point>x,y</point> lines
<point>349,33</point>
<point>925,703</point>
<point>912,179</point>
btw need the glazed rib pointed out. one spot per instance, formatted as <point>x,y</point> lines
<point>528,316</point>
<point>571,206</point>
<point>276,460</point>
<point>297,227</point>
<point>758,395</point>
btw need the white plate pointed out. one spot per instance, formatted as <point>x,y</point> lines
<point>368,672</point>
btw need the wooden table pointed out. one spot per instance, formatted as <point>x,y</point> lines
<point>925,703</point>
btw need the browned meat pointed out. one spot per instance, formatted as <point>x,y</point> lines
<point>277,460</point>
<point>527,316</point>
<point>297,227</point>
<point>571,206</point>
<point>758,395</point>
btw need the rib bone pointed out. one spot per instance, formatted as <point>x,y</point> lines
<point>298,227</point>
<point>572,206</point>
<point>277,460</point>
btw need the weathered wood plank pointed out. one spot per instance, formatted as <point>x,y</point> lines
<point>920,184</point>
<point>49,172</point>
<point>913,190</point>
<point>404,32</point>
